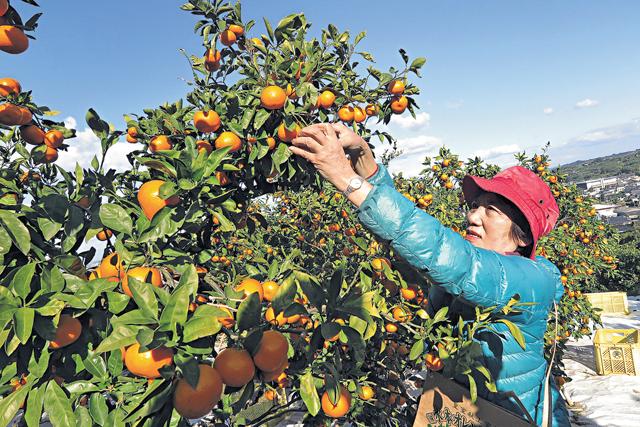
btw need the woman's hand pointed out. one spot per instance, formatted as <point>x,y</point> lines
<point>319,145</point>
<point>350,141</point>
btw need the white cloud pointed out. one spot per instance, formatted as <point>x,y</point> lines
<point>408,122</point>
<point>500,150</point>
<point>85,145</point>
<point>414,150</point>
<point>586,103</point>
<point>548,110</point>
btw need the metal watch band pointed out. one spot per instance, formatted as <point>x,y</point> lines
<point>350,189</point>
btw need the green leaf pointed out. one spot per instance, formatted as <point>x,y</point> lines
<point>95,365</point>
<point>176,310</point>
<point>21,282</point>
<point>473,389</point>
<point>10,405</point>
<point>16,230</point>
<point>5,241</point>
<point>515,331</point>
<point>83,418</point>
<point>48,227</point>
<point>98,408</point>
<point>249,312</point>
<point>416,350</point>
<point>122,336</point>
<point>198,327</point>
<point>144,296</point>
<point>311,288</point>
<point>24,323</point>
<point>58,406</point>
<point>34,406</point>
<point>335,284</point>
<point>285,295</point>
<point>309,393</point>
<point>99,127</point>
<point>116,218</point>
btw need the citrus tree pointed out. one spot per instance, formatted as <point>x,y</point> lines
<point>235,283</point>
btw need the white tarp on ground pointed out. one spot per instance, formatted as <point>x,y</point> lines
<point>611,400</point>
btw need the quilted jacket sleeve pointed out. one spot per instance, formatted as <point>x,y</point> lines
<point>482,277</point>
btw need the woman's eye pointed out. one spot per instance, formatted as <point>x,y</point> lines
<point>474,205</point>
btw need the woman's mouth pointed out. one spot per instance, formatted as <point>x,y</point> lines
<point>471,235</point>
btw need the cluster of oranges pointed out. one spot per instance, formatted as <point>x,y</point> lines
<point>17,115</point>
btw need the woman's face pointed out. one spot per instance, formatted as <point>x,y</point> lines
<point>490,222</point>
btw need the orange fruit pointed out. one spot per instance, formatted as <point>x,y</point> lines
<point>32,134</point>
<point>11,115</point>
<point>12,39</point>
<point>392,328</point>
<point>197,402</point>
<point>150,200</point>
<point>228,37</point>
<point>346,113</point>
<point>371,110</point>
<point>396,87</point>
<point>270,394</point>
<point>291,92</point>
<point>326,99</point>
<point>378,263</point>
<point>270,316</point>
<point>271,142</point>
<point>235,366</point>
<point>130,139</point>
<point>270,289</point>
<point>144,274</point>
<point>341,407</point>
<point>104,234</point>
<point>399,104</point>
<point>228,320</point>
<point>228,139</point>
<point>366,392</point>
<point>271,352</point>
<point>400,314</point>
<point>273,97</point>
<point>8,86</point>
<point>287,135</point>
<point>433,362</point>
<point>249,286</point>
<point>212,60</point>
<point>204,146</point>
<point>53,138</point>
<point>236,29</point>
<point>276,374</point>
<point>132,132</point>
<point>222,178</point>
<point>409,293</point>
<point>206,122</point>
<point>111,268</point>
<point>67,332</point>
<point>160,142</point>
<point>148,363</point>
<point>359,115</point>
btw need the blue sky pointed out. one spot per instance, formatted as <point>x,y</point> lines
<point>501,76</point>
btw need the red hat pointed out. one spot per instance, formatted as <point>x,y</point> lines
<point>526,191</point>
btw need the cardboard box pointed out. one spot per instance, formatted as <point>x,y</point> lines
<point>446,403</point>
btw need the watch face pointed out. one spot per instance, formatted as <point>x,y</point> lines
<point>355,183</point>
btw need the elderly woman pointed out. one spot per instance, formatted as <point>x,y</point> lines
<point>494,261</point>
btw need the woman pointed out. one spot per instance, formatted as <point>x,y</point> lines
<point>495,261</point>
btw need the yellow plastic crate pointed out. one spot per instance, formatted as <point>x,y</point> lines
<point>617,351</point>
<point>609,302</point>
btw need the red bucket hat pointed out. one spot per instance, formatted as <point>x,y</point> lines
<point>526,191</point>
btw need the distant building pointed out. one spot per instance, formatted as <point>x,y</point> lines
<point>600,183</point>
<point>606,210</point>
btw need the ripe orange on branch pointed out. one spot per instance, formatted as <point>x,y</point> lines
<point>273,97</point>
<point>150,200</point>
<point>104,234</point>
<point>342,406</point>
<point>12,39</point>
<point>111,268</point>
<point>53,138</point>
<point>212,60</point>
<point>271,352</point>
<point>287,135</point>
<point>249,286</point>
<point>159,143</point>
<point>144,274</point>
<point>196,402</point>
<point>396,87</point>
<point>68,331</point>
<point>9,86</point>
<point>228,37</point>
<point>206,122</point>
<point>399,104</point>
<point>326,99</point>
<point>235,366</point>
<point>32,134</point>
<point>346,113</point>
<point>228,139</point>
<point>147,363</point>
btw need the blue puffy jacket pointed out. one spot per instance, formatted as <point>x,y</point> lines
<point>465,276</point>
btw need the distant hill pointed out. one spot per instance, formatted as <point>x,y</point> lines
<point>614,165</point>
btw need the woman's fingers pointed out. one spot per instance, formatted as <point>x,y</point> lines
<point>323,133</point>
<point>305,154</point>
<point>307,142</point>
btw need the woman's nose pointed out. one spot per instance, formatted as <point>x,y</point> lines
<point>474,216</point>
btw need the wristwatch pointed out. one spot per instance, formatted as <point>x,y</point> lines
<point>355,183</point>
